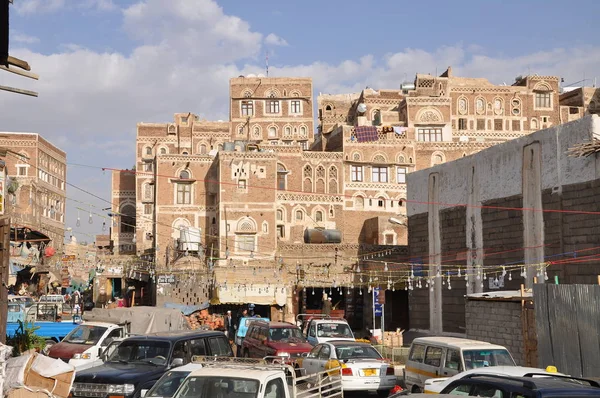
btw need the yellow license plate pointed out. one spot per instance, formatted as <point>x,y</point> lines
<point>370,372</point>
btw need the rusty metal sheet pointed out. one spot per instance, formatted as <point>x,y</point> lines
<point>588,325</point>
<point>542,324</point>
<point>563,326</point>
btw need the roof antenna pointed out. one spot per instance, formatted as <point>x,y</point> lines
<point>267,63</point>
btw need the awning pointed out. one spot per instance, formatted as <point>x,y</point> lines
<point>26,234</point>
<point>261,294</point>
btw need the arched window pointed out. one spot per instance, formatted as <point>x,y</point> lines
<point>281,177</point>
<point>148,150</point>
<point>299,215</point>
<point>318,216</point>
<point>359,202</point>
<point>163,151</point>
<point>202,149</point>
<point>272,132</point>
<point>328,108</point>
<point>534,124</point>
<point>437,158</point>
<point>127,219</point>
<point>381,202</point>
<point>320,186</point>
<point>184,175</point>
<point>287,131</point>
<point>376,117</point>
<point>303,133</point>
<point>279,215</point>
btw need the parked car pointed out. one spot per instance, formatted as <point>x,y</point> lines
<point>28,301</point>
<point>240,379</point>
<point>168,384</point>
<point>362,366</point>
<point>265,338</point>
<point>242,329</point>
<point>320,330</point>
<point>487,385</point>
<point>83,346</point>
<point>138,362</point>
<point>435,385</point>
<point>431,357</point>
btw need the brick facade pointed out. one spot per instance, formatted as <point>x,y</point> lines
<point>40,171</point>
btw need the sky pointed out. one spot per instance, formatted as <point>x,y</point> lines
<point>106,65</point>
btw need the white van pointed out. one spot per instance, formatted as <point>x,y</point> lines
<point>432,357</point>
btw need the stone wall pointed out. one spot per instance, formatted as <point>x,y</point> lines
<point>497,322</point>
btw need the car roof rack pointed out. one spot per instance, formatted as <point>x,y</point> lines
<point>266,363</point>
<point>304,317</point>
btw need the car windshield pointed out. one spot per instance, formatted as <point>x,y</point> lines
<point>482,358</point>
<point>218,386</point>
<point>146,351</point>
<point>286,334</point>
<point>339,330</point>
<point>85,334</point>
<point>356,351</point>
<point>167,385</point>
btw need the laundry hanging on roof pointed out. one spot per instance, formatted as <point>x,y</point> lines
<point>366,133</point>
<point>400,130</point>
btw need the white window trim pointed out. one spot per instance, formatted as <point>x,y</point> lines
<point>290,107</point>
<point>253,107</point>
<point>238,242</point>
<point>175,186</point>
<point>398,173</point>
<point>362,173</point>
<point>387,174</point>
<point>265,113</point>
<point>535,107</point>
<point>26,166</point>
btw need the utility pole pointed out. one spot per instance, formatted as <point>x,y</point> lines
<point>4,254</point>
<point>153,284</point>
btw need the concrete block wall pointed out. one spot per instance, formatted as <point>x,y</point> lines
<point>453,225</point>
<point>498,323</point>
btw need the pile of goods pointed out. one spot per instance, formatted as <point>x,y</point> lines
<point>203,320</point>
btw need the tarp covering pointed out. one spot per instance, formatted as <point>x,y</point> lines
<point>256,294</point>
<point>187,309</point>
<point>144,320</point>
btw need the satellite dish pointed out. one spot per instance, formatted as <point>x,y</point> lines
<point>362,108</point>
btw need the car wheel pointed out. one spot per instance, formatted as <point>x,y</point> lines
<point>416,389</point>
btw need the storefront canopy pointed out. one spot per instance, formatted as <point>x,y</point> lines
<point>261,294</point>
<point>26,234</point>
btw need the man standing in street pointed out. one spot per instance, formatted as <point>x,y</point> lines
<point>326,305</point>
<point>230,325</point>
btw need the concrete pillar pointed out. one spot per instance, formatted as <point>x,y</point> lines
<point>474,232</point>
<point>533,217</point>
<point>435,255</point>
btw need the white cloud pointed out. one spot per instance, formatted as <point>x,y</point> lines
<point>101,5</point>
<point>17,37</point>
<point>274,40</point>
<point>38,6</point>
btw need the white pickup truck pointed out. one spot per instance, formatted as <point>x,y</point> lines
<point>232,378</point>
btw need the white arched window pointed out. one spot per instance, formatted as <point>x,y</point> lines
<point>318,216</point>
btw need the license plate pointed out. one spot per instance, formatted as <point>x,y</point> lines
<point>370,372</point>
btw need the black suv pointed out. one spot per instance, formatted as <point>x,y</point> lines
<point>138,362</point>
<point>535,386</point>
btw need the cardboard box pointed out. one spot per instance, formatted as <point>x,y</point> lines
<point>393,339</point>
<point>25,393</point>
<point>37,372</point>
